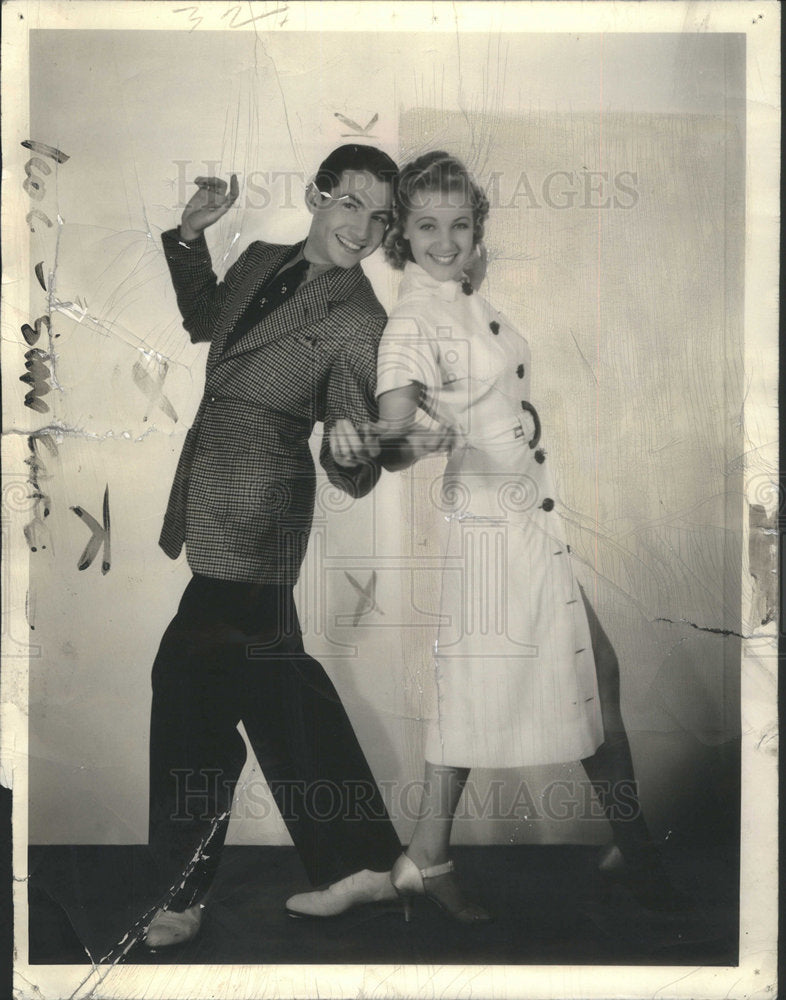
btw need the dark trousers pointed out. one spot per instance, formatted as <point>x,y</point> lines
<point>234,652</point>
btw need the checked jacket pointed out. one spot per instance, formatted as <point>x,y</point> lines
<point>242,500</point>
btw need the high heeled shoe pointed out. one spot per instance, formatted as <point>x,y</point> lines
<point>409,881</point>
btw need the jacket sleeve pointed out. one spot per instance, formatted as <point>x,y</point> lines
<point>351,396</point>
<point>200,295</point>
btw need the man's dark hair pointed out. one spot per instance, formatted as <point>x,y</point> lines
<point>355,157</point>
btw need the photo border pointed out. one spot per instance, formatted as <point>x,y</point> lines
<point>755,975</point>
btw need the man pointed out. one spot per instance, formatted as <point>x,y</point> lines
<point>293,333</point>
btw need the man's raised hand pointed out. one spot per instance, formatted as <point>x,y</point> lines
<point>210,201</point>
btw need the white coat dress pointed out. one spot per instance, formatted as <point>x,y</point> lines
<point>515,673</point>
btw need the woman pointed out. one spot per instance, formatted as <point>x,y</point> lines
<point>516,669</point>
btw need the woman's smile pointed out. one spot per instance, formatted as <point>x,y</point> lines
<point>440,231</point>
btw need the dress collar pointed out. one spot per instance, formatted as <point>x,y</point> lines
<point>417,279</point>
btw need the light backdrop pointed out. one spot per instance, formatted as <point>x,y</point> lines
<point>615,167</point>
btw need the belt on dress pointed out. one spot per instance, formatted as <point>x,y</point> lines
<point>503,432</point>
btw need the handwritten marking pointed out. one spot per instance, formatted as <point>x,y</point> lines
<point>41,147</point>
<point>194,11</point>
<point>37,377</point>
<point>34,186</point>
<point>30,334</point>
<point>100,536</point>
<point>36,213</point>
<point>234,10</point>
<point>35,530</point>
<point>357,129</point>
<point>367,601</point>
<point>154,388</point>
<point>37,372</point>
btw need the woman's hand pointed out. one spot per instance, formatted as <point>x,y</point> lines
<point>401,440</point>
<point>424,442</point>
<point>402,447</point>
<point>475,268</point>
<point>207,205</point>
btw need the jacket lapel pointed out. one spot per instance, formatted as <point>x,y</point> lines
<point>310,304</point>
<point>238,303</point>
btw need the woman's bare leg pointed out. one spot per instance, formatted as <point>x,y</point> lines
<point>430,842</point>
<point>442,788</point>
<point>610,769</point>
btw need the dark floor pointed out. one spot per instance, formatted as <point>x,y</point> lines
<point>551,907</point>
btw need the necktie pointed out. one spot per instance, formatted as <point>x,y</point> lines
<point>267,299</point>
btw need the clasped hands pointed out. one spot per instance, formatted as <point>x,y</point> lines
<point>383,441</point>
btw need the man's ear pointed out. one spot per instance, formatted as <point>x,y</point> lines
<point>313,198</point>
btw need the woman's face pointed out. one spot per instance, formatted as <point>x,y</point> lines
<point>440,233</point>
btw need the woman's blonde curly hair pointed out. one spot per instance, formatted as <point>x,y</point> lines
<point>437,171</point>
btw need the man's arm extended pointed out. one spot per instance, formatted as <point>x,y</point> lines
<point>200,296</point>
<point>348,454</point>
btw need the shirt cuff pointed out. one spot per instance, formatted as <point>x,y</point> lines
<point>172,236</point>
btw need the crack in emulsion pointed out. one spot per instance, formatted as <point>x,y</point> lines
<point>136,933</point>
<point>59,428</point>
<point>80,315</point>
<point>133,936</point>
<point>709,628</point>
<point>51,299</point>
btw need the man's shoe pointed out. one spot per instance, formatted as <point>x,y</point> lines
<point>168,928</point>
<point>355,890</point>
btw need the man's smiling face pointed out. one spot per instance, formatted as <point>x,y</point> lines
<point>349,224</point>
